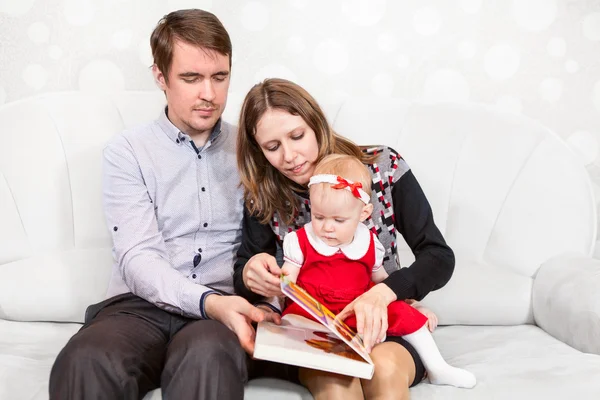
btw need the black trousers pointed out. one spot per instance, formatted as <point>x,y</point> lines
<point>128,347</point>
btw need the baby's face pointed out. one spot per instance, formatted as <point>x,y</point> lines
<point>335,215</point>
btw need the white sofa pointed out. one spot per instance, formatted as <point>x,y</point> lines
<point>522,308</point>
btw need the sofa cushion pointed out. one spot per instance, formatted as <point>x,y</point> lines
<point>513,362</point>
<point>28,351</point>
<point>483,294</point>
<point>510,362</point>
<point>54,287</point>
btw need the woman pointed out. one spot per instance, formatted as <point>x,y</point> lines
<point>283,134</point>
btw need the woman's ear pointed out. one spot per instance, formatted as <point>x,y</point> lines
<point>366,212</point>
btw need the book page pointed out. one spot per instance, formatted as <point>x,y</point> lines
<point>324,316</point>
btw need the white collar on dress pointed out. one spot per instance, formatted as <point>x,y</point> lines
<point>355,250</point>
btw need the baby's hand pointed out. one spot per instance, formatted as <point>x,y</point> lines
<point>432,320</point>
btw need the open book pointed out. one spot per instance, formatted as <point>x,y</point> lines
<point>329,345</point>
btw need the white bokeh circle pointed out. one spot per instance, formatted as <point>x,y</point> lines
<point>382,84</point>
<point>186,4</point>
<point>467,48</point>
<point>16,8</point>
<point>386,42</point>
<point>2,95</point>
<point>335,96</point>
<point>509,104</point>
<point>364,13</point>
<point>35,76</point>
<point>331,57</point>
<point>145,53</point>
<point>571,66</point>
<point>38,32</point>
<point>446,85</point>
<point>122,39</point>
<point>427,21</point>
<point>557,47</point>
<point>551,89</point>
<point>101,76</point>
<point>254,16</point>
<point>591,26</point>
<point>402,61</point>
<point>295,44</point>
<point>501,61</point>
<point>585,144</point>
<point>299,4</point>
<point>274,71</point>
<point>78,12</point>
<point>534,15</point>
<point>55,52</point>
<point>471,6</point>
<point>596,95</point>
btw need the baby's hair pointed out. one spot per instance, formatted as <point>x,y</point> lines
<point>347,167</point>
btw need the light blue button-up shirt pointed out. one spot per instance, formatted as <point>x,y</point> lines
<point>174,212</point>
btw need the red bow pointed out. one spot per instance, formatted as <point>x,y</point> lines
<point>342,184</point>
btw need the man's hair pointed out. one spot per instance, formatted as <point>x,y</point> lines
<point>347,167</point>
<point>266,190</point>
<point>196,27</point>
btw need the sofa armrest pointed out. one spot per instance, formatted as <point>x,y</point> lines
<point>566,301</point>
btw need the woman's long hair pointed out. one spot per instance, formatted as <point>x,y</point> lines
<point>266,190</point>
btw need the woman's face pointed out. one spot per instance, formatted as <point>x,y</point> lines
<point>289,144</point>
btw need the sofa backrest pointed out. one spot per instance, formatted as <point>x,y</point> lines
<point>505,191</point>
<point>507,194</point>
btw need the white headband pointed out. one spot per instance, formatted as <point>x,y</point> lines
<point>340,183</point>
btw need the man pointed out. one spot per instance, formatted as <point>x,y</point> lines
<point>174,207</point>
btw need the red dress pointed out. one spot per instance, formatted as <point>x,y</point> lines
<point>337,280</point>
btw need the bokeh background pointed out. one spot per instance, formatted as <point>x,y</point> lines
<point>539,58</point>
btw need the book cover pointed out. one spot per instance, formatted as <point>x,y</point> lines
<point>329,345</point>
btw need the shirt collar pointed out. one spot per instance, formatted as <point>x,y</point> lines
<point>354,250</point>
<point>176,135</point>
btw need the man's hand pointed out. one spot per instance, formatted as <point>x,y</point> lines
<point>261,275</point>
<point>238,315</point>
<point>370,309</point>
<point>270,315</point>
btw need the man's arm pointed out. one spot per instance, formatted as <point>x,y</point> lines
<point>138,244</point>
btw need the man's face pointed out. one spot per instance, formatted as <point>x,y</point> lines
<point>197,88</point>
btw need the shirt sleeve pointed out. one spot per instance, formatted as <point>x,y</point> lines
<point>256,238</point>
<point>138,245</point>
<point>434,260</point>
<point>292,252</point>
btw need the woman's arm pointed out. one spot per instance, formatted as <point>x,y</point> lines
<point>434,260</point>
<point>258,241</point>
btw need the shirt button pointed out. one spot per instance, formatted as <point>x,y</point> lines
<point>115,228</point>
<point>204,189</point>
<point>205,224</point>
<point>200,250</point>
<point>194,276</point>
<point>177,140</point>
<point>199,157</point>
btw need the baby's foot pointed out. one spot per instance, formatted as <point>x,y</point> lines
<point>449,375</point>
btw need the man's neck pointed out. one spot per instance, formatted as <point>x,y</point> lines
<point>200,138</point>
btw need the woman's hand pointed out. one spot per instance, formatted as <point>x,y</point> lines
<point>261,275</point>
<point>432,320</point>
<point>371,313</point>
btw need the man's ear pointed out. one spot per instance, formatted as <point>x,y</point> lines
<point>159,78</point>
<point>366,212</point>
